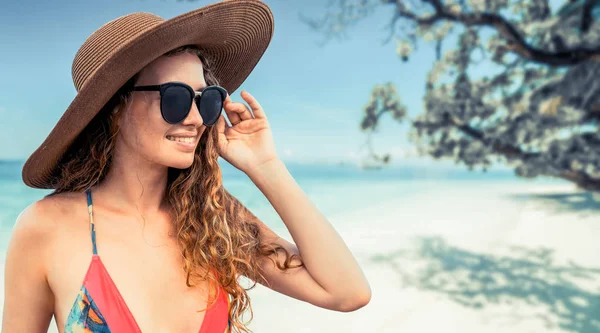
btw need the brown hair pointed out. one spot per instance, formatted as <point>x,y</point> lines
<point>214,230</point>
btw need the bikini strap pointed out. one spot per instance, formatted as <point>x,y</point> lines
<point>92,226</point>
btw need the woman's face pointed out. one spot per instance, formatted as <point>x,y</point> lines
<point>143,131</point>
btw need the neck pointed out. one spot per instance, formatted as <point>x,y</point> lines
<point>134,184</point>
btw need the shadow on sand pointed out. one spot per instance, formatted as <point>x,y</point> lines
<point>569,294</point>
<point>582,203</point>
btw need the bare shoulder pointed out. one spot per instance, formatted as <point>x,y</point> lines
<point>26,266</point>
<point>41,220</point>
<point>25,271</point>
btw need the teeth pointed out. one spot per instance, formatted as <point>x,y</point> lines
<point>181,139</point>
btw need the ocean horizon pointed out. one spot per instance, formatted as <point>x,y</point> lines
<point>335,188</point>
<point>11,169</point>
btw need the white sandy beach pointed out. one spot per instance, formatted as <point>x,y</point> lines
<point>464,259</point>
<point>469,258</point>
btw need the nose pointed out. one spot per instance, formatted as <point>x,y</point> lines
<point>193,118</point>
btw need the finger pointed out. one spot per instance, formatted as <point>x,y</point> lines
<point>221,136</point>
<point>230,107</point>
<point>237,107</point>
<point>254,105</point>
<point>221,125</point>
<point>246,114</point>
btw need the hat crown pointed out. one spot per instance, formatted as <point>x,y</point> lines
<point>107,40</point>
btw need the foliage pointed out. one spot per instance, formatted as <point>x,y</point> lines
<point>535,108</point>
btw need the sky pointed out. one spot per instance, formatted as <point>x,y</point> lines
<point>313,95</point>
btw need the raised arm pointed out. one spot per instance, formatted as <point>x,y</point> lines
<point>331,277</point>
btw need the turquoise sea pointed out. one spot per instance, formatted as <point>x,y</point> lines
<point>334,188</point>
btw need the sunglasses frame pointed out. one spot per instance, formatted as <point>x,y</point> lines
<point>196,94</point>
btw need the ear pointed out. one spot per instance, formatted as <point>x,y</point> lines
<point>115,116</point>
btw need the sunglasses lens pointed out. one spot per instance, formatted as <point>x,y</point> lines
<point>210,105</point>
<point>175,104</point>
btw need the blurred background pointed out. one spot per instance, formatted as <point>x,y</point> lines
<point>452,143</point>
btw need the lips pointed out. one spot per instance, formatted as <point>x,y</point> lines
<point>184,139</point>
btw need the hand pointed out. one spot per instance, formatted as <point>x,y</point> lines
<point>248,143</point>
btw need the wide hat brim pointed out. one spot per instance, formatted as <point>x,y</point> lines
<point>234,34</point>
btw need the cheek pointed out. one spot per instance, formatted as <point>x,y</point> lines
<point>143,128</point>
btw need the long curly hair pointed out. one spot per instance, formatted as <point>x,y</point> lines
<point>215,231</point>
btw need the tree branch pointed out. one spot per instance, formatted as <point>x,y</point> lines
<point>518,43</point>
<point>582,179</point>
<point>505,149</point>
<point>586,18</point>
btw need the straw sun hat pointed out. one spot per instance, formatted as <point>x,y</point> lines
<point>234,34</point>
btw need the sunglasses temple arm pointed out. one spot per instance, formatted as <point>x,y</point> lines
<point>147,88</point>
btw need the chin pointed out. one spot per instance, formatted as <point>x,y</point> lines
<point>180,162</point>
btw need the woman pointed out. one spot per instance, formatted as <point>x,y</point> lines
<point>139,234</point>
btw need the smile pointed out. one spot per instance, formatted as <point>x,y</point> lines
<point>190,139</point>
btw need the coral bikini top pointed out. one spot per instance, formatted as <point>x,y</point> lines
<point>100,308</point>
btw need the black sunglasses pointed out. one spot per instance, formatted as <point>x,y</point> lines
<point>176,101</point>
